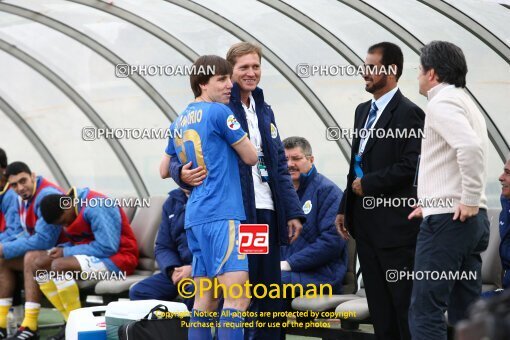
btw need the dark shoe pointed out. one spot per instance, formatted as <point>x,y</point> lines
<point>60,335</point>
<point>3,333</point>
<point>25,333</point>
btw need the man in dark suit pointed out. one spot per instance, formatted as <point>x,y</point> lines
<point>375,203</point>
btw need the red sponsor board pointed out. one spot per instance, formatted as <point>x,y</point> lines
<point>253,239</point>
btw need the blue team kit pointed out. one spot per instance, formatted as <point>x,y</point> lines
<point>201,133</point>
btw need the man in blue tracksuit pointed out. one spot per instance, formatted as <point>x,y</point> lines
<point>504,230</point>
<point>172,254</point>
<point>36,235</point>
<point>10,225</point>
<point>268,194</point>
<point>504,224</point>
<point>319,255</point>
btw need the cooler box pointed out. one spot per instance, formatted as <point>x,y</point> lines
<point>121,312</point>
<point>87,324</point>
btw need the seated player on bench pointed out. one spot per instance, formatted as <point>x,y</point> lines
<point>99,239</point>
<point>35,234</point>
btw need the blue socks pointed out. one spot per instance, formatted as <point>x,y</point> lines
<point>195,332</point>
<point>231,325</point>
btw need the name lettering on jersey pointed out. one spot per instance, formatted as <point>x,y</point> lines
<point>191,117</point>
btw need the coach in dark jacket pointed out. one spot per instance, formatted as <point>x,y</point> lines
<point>286,203</point>
<point>172,253</point>
<point>268,194</point>
<point>383,167</point>
<point>319,255</point>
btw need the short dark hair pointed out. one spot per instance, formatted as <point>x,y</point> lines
<point>51,209</point>
<point>391,54</point>
<point>3,159</point>
<point>295,141</point>
<point>447,60</point>
<point>16,168</point>
<point>201,74</point>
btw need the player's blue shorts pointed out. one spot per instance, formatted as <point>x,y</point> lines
<point>215,249</point>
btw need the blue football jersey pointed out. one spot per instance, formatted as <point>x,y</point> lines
<point>204,134</point>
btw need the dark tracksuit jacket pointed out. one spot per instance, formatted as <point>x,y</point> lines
<point>504,246</point>
<point>171,244</point>
<point>319,255</point>
<point>286,202</point>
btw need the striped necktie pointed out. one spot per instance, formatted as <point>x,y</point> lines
<point>371,116</point>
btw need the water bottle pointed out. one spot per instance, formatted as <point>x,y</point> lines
<point>11,323</point>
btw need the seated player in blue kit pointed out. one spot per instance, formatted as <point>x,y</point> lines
<point>504,231</point>
<point>96,237</point>
<point>172,253</point>
<point>10,224</point>
<point>207,134</point>
<point>35,234</point>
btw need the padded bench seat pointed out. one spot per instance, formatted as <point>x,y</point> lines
<point>359,307</point>
<point>321,304</point>
<point>329,303</point>
<point>118,286</point>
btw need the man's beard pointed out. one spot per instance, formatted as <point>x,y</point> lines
<point>377,86</point>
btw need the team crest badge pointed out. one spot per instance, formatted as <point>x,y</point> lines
<point>307,207</point>
<point>274,131</point>
<point>232,123</point>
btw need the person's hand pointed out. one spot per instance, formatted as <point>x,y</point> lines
<point>465,212</point>
<point>340,226</point>
<point>416,213</point>
<point>56,252</point>
<point>356,187</point>
<point>186,271</point>
<point>181,273</point>
<point>193,177</point>
<point>285,266</point>
<point>295,228</point>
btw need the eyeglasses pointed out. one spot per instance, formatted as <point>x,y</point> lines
<point>298,158</point>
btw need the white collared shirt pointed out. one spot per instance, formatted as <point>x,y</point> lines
<point>263,197</point>
<point>381,104</point>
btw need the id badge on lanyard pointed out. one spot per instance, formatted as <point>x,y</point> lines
<point>358,166</point>
<point>262,169</point>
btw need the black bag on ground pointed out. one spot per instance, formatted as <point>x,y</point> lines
<point>154,328</point>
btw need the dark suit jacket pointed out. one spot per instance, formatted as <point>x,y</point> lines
<point>389,168</point>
